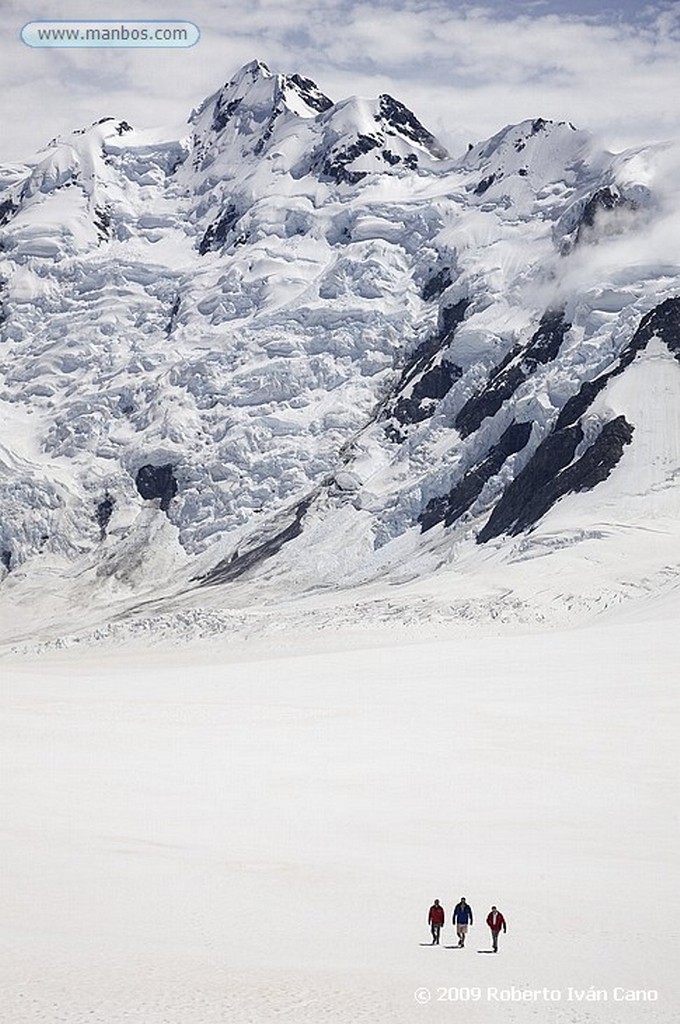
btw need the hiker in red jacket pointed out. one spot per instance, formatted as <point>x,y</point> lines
<point>435,919</point>
<point>496,923</point>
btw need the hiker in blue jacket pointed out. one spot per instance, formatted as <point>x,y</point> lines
<point>462,917</point>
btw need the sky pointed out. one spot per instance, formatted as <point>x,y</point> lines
<point>465,69</point>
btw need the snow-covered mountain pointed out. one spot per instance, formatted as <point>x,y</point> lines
<point>304,344</point>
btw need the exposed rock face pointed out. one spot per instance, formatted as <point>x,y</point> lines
<point>7,208</point>
<point>517,366</point>
<point>602,200</point>
<point>551,473</point>
<point>451,506</point>
<point>484,185</point>
<point>241,561</point>
<point>663,321</point>
<point>310,93</point>
<point>335,165</point>
<point>172,320</point>
<point>102,222</point>
<point>104,511</point>
<point>216,235</point>
<point>553,470</point>
<point>396,116</point>
<point>436,284</point>
<point>427,376</point>
<point>432,386</point>
<point>157,482</point>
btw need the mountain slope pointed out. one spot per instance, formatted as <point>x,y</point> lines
<point>303,328</point>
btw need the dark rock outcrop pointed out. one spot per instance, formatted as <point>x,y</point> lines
<point>241,562</point>
<point>169,327</point>
<point>663,321</point>
<point>391,158</point>
<point>426,376</point>
<point>527,497</point>
<point>391,119</point>
<point>432,387</point>
<point>217,233</point>
<point>517,366</point>
<point>604,200</point>
<point>310,93</point>
<point>436,284</point>
<point>599,459</point>
<point>484,185</point>
<point>157,482</point>
<point>7,208</point>
<point>552,473</point>
<point>539,124</point>
<point>398,117</point>
<point>103,512</point>
<point>102,222</point>
<point>335,166</point>
<point>451,506</point>
<point>223,112</point>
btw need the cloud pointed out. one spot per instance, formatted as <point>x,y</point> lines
<point>466,70</point>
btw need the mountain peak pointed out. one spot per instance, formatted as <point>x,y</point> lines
<point>398,117</point>
<point>254,96</point>
<point>521,159</point>
<point>254,69</point>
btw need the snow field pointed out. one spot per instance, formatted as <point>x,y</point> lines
<point>202,838</point>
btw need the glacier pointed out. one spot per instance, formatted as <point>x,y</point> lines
<point>304,345</point>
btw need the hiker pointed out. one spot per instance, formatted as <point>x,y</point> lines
<point>435,919</point>
<point>496,923</point>
<point>462,917</point>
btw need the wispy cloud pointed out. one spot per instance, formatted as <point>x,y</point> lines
<point>466,70</point>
